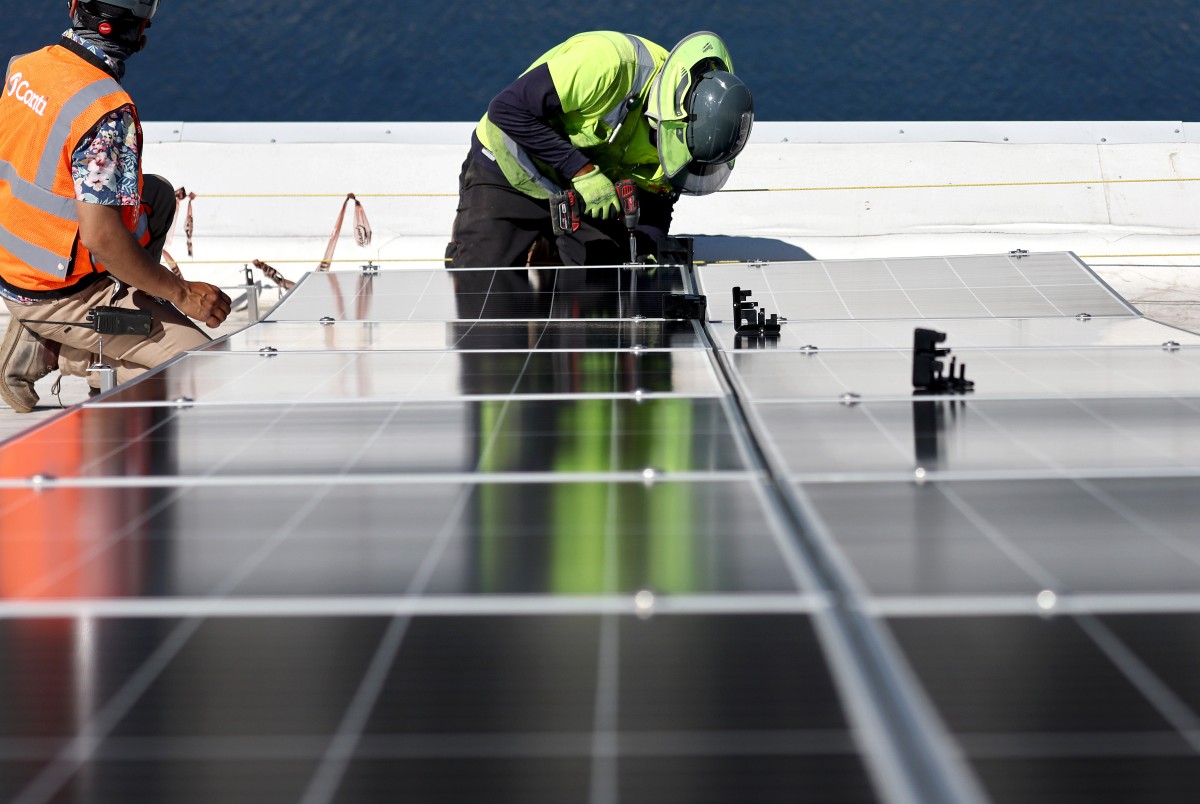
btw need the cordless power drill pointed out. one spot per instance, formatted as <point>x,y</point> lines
<point>631,210</point>
<point>566,211</point>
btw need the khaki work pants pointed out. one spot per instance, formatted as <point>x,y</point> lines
<point>131,355</point>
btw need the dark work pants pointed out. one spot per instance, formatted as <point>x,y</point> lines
<point>158,202</point>
<point>496,225</point>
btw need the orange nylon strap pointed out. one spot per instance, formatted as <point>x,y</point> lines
<point>273,275</point>
<point>180,195</point>
<point>362,230</point>
<point>170,261</point>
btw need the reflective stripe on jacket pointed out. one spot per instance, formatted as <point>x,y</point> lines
<point>602,79</point>
<point>51,99</point>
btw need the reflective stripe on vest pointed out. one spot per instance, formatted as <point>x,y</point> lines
<point>45,261</point>
<point>526,163</point>
<point>143,226</point>
<point>36,197</point>
<point>645,69</point>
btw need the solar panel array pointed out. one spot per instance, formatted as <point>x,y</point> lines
<point>513,536</point>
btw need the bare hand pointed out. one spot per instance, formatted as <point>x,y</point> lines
<point>205,302</point>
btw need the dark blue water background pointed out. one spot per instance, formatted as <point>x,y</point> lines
<point>345,60</point>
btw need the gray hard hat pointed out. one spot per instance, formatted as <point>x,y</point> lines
<point>722,112</point>
<point>142,9</point>
<point>702,114</point>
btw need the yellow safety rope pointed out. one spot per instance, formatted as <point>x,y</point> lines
<point>360,261</point>
<point>841,188</point>
<point>327,195</point>
<point>958,185</point>
<point>378,260</point>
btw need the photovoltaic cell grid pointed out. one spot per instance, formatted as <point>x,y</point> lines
<point>1030,548</point>
<point>415,537</point>
<point>511,536</point>
<point>988,286</point>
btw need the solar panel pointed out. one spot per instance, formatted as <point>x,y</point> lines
<point>462,336</point>
<point>1012,542</point>
<point>469,294</point>
<point>277,377</point>
<point>514,535</point>
<point>967,333</point>
<point>1017,373</point>
<point>1004,286</point>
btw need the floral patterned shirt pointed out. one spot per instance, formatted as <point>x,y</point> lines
<point>105,165</point>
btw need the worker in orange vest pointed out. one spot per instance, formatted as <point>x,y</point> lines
<point>80,225</point>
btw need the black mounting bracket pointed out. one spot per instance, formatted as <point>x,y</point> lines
<point>927,376</point>
<point>688,306</point>
<point>677,251</point>
<point>747,321</point>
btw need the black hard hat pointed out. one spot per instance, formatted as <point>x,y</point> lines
<point>121,22</point>
<point>117,9</point>
<point>722,112</point>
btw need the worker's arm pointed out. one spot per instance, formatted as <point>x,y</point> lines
<point>524,111</point>
<point>103,233</point>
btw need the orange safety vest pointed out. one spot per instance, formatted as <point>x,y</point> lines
<point>51,99</point>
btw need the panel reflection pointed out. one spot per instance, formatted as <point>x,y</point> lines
<point>598,538</point>
<point>585,538</point>
<point>546,292</point>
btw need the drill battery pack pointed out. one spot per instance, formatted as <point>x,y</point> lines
<point>566,211</point>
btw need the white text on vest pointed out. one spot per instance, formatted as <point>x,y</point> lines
<point>19,88</point>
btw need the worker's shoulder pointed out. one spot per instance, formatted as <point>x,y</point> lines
<point>605,43</point>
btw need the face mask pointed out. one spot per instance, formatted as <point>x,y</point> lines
<point>123,42</point>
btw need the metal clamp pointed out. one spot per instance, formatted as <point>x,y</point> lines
<point>927,376</point>
<point>252,289</point>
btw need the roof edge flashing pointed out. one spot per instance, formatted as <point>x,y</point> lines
<point>1119,132</point>
<point>1040,132</point>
